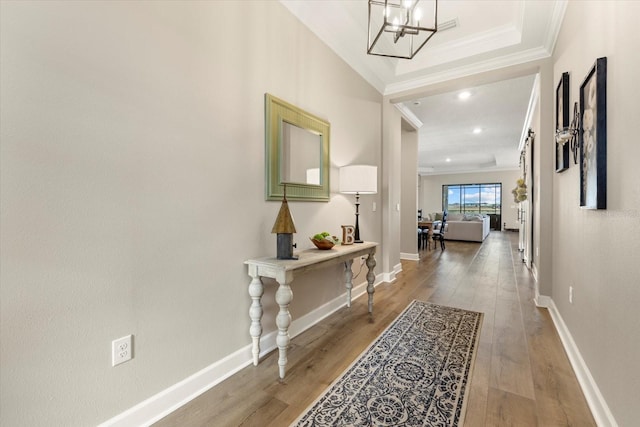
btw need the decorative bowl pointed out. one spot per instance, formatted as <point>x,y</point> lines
<point>323,244</point>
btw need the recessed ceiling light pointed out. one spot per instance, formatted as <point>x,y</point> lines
<point>448,159</point>
<point>477,130</point>
<point>464,95</point>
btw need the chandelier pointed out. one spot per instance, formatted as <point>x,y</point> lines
<point>399,28</point>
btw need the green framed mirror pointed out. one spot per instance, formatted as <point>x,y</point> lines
<point>297,152</point>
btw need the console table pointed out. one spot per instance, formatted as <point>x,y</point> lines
<point>283,271</point>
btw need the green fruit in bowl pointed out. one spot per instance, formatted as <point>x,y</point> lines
<point>323,236</point>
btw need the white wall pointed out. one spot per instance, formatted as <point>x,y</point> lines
<point>430,197</point>
<point>132,190</point>
<point>596,252</point>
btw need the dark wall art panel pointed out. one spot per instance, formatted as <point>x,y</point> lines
<point>593,137</point>
<point>562,122</point>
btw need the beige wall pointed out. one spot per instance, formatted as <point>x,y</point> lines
<point>597,252</point>
<point>132,164</point>
<point>409,190</point>
<point>544,167</point>
<point>430,197</point>
<point>391,188</point>
<point>132,189</point>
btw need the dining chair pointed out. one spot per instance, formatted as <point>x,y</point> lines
<point>438,235</point>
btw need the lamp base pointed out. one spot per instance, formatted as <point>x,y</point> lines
<point>357,230</point>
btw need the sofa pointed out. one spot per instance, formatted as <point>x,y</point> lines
<point>465,227</point>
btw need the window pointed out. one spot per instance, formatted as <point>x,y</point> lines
<point>472,198</point>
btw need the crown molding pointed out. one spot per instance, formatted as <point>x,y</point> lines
<point>409,116</point>
<point>533,102</point>
<point>499,38</point>
<point>534,54</point>
<point>557,16</point>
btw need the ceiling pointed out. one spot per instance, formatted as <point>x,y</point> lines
<point>488,35</point>
<point>481,132</point>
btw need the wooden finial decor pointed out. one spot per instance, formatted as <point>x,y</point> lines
<point>284,228</point>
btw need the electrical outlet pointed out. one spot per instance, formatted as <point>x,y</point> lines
<point>570,294</point>
<point>374,206</point>
<point>121,350</point>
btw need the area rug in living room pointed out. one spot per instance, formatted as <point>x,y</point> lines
<point>416,373</point>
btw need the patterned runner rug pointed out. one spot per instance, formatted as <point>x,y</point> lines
<point>415,373</point>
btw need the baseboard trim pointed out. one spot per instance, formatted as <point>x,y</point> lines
<point>540,300</point>
<point>543,301</point>
<point>397,269</point>
<point>409,256</point>
<point>391,276</point>
<point>162,404</point>
<point>599,408</point>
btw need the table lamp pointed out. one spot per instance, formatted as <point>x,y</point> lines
<point>358,179</point>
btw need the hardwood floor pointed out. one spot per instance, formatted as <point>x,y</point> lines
<point>522,376</point>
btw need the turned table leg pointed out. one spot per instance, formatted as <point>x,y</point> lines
<point>256,289</point>
<point>371,277</point>
<point>284,295</point>
<point>348,279</point>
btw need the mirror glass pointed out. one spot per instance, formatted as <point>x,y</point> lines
<point>300,155</point>
<point>297,152</point>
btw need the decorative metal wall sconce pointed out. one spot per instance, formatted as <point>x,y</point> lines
<point>569,135</point>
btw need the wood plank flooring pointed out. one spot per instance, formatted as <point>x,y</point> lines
<point>522,376</point>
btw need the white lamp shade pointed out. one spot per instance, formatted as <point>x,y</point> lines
<point>361,179</point>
